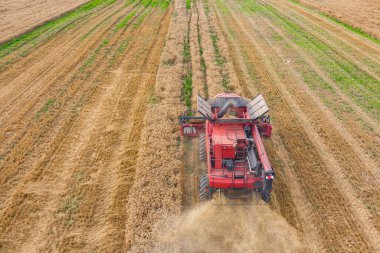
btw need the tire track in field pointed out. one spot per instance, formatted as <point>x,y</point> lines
<point>308,161</point>
<point>157,188</point>
<point>207,33</point>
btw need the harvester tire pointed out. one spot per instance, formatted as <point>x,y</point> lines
<point>202,147</point>
<point>265,196</point>
<point>204,190</point>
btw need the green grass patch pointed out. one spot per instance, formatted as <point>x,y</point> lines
<point>101,24</point>
<point>187,90</point>
<point>128,2</point>
<point>79,176</point>
<point>163,4</point>
<point>226,82</point>
<point>187,86</point>
<point>206,7</point>
<point>140,20</point>
<point>105,42</point>
<point>45,107</point>
<point>153,100</point>
<point>221,6</point>
<point>146,3</point>
<point>186,51</point>
<point>221,61</point>
<point>120,50</point>
<point>202,62</point>
<point>189,170</point>
<point>178,142</point>
<point>188,5</point>
<point>24,53</point>
<point>48,104</point>
<point>56,24</point>
<point>125,20</point>
<point>218,56</point>
<point>351,28</point>
<point>70,207</point>
<point>90,60</point>
<point>169,62</point>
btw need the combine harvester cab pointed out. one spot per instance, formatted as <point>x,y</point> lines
<point>230,133</point>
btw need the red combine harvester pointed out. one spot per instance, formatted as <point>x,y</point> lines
<point>230,134</point>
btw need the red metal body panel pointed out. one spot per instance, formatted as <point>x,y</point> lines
<point>226,134</point>
<point>261,149</point>
<point>227,145</point>
<point>265,129</point>
<point>220,144</point>
<point>223,137</point>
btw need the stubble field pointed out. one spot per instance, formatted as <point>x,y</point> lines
<point>18,17</point>
<point>90,153</point>
<point>362,14</point>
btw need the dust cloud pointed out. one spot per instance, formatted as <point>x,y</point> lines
<point>210,228</point>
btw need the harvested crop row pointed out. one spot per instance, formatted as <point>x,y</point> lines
<point>198,74</point>
<point>157,189</point>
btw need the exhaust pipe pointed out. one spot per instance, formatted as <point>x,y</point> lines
<point>225,109</point>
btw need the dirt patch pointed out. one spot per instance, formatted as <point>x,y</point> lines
<point>208,228</point>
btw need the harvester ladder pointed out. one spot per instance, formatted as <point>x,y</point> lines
<point>241,149</point>
<point>240,166</point>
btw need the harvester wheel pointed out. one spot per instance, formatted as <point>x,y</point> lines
<point>265,195</point>
<point>204,190</point>
<point>202,147</point>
